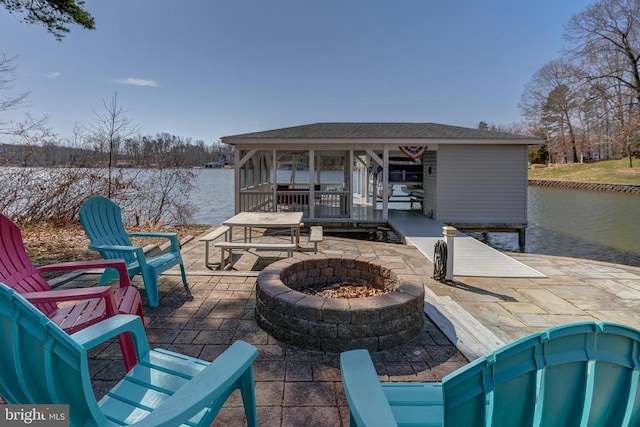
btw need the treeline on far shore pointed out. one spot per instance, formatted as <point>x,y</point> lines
<point>137,151</point>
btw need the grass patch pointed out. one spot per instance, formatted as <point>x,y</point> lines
<point>606,172</point>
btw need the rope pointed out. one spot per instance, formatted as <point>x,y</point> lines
<point>440,261</point>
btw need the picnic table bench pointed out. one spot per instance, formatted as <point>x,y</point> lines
<point>578,374</point>
<point>315,236</point>
<point>230,246</point>
<point>214,235</point>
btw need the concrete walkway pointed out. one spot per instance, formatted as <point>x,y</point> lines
<point>301,387</point>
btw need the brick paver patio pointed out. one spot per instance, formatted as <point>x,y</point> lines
<point>294,386</point>
<point>297,387</point>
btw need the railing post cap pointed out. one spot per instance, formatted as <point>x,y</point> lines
<point>449,231</point>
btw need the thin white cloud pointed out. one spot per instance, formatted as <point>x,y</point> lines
<point>53,75</point>
<point>138,82</point>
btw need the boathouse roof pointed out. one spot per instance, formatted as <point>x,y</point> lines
<point>359,131</point>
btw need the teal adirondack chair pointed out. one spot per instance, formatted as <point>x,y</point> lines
<point>579,374</point>
<point>41,364</point>
<point>101,219</point>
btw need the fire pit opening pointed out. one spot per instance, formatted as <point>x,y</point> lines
<point>336,303</point>
<point>346,289</point>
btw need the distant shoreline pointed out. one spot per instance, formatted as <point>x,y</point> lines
<point>594,186</point>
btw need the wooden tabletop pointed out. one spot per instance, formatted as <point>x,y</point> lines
<point>265,219</point>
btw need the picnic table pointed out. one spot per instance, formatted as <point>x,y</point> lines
<point>249,220</point>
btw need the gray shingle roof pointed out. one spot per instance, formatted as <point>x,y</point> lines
<point>375,131</point>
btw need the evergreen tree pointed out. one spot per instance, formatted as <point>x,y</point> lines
<point>55,15</point>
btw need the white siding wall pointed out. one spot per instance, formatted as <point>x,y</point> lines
<point>429,160</point>
<point>482,184</point>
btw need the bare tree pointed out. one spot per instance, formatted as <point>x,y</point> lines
<point>110,129</point>
<point>606,40</point>
<point>7,77</point>
<point>30,130</point>
<point>629,136</point>
<point>552,101</point>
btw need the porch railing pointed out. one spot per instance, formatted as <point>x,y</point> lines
<point>327,204</point>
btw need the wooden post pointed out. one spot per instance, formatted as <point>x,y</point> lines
<point>521,237</point>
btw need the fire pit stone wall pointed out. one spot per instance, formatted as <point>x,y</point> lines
<point>338,324</point>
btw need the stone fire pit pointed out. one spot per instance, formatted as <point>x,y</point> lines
<point>338,324</point>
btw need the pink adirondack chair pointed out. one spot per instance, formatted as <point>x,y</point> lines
<point>80,307</point>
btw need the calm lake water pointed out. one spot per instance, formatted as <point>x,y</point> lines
<point>575,223</point>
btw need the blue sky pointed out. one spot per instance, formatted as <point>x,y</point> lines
<point>208,68</point>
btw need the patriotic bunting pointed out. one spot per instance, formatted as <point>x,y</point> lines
<point>413,152</point>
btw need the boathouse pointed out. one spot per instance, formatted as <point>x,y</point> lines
<point>352,174</point>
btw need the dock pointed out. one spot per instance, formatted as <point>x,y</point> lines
<point>471,257</point>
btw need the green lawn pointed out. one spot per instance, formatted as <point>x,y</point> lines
<point>606,171</point>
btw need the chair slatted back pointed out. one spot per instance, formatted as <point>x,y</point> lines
<point>571,375</point>
<point>611,364</point>
<point>41,364</point>
<point>16,268</point>
<point>101,219</point>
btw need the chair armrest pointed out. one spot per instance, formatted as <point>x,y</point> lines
<point>42,297</point>
<point>115,248</point>
<point>204,388</point>
<point>137,251</point>
<point>173,237</point>
<point>60,295</point>
<point>368,404</point>
<point>110,328</point>
<point>160,234</point>
<point>118,265</point>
